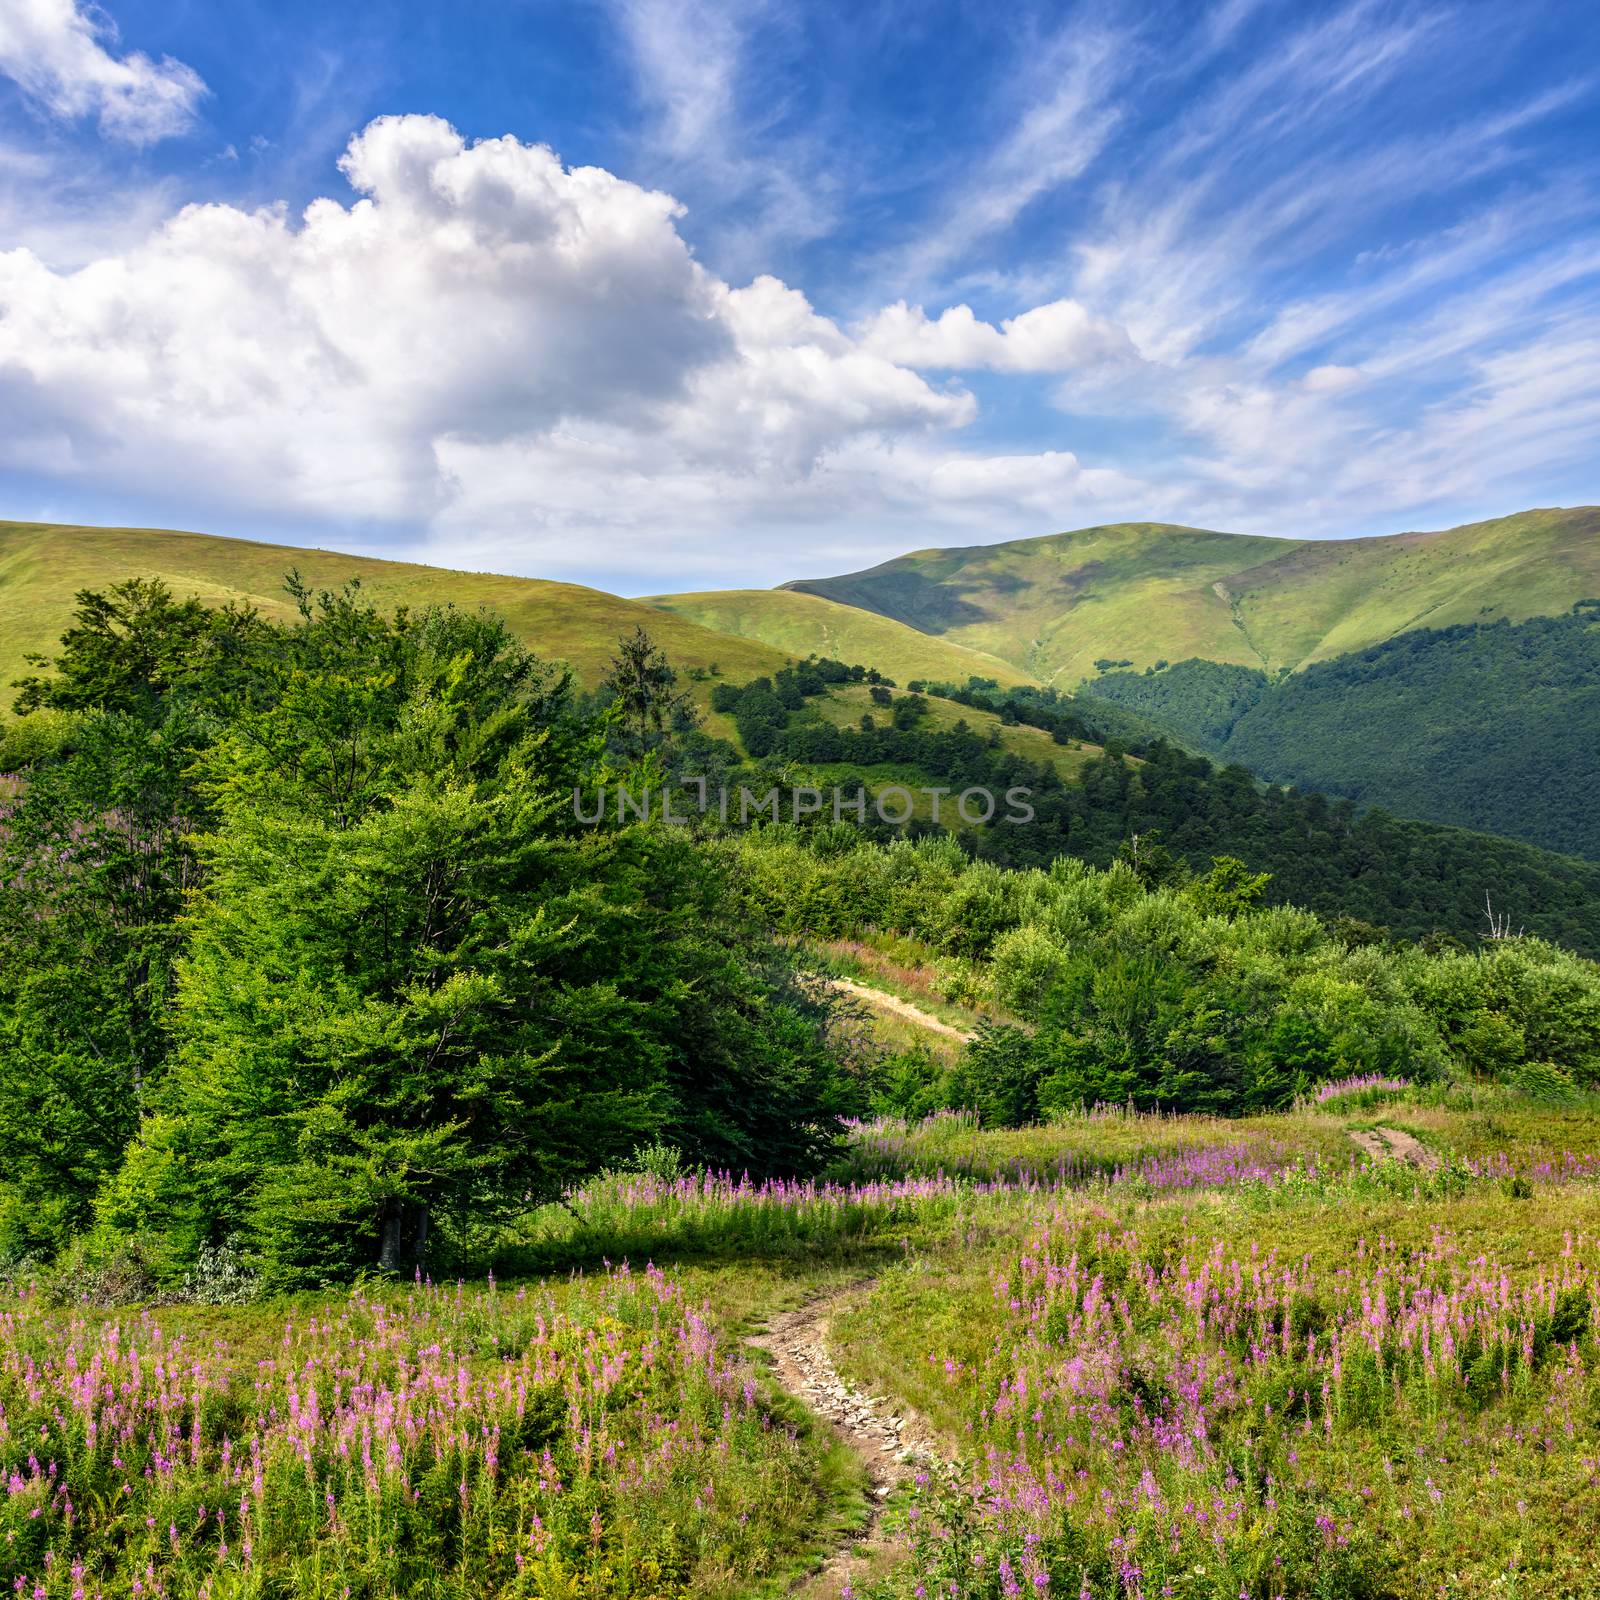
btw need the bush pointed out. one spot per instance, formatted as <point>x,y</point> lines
<point>1025,963</point>
<point>998,1078</point>
<point>1543,1080</point>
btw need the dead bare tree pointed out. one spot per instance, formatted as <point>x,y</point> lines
<point>1499,923</point>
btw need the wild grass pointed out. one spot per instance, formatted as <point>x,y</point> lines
<point>1172,1355</point>
<point>43,566</point>
<point>597,1436</point>
<point>1369,1397</point>
<point>803,624</point>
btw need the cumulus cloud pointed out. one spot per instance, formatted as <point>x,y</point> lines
<point>57,52</point>
<point>1058,337</point>
<point>481,315</point>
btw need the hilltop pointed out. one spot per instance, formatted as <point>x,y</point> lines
<point>802,624</point>
<point>1134,594</point>
<point>43,565</point>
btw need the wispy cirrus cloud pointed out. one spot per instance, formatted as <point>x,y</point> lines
<point>708,78</point>
<point>1057,110</point>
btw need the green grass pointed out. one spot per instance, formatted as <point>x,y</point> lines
<point>1144,592</point>
<point>1039,1342</point>
<point>807,624</point>
<point>1052,605</point>
<point>1037,1323</point>
<point>42,566</point>
<point>1333,596</point>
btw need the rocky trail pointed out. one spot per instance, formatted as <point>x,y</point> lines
<point>893,1443</point>
<point>1384,1144</point>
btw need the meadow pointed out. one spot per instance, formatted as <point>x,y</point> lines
<point>1158,1355</point>
<point>867,1221</point>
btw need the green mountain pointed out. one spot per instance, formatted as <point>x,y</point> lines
<point>1133,594</point>
<point>1141,591</point>
<point>805,624</point>
<point>1491,726</point>
<point>43,565</point>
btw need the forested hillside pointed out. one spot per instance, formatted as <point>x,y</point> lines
<point>1168,810</point>
<point>1489,726</point>
<point>314,942</point>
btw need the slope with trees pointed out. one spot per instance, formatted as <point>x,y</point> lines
<point>1489,726</point>
<point>302,947</point>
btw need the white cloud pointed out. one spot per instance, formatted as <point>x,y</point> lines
<point>1058,337</point>
<point>478,312</point>
<point>1067,90</point>
<point>1330,378</point>
<point>57,52</point>
<point>704,71</point>
<point>502,362</point>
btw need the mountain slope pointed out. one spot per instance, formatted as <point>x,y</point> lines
<point>1495,727</point>
<point>1138,593</point>
<point>42,566</point>
<point>1410,877</point>
<point>804,624</point>
<point>1332,596</point>
<point>1052,606</point>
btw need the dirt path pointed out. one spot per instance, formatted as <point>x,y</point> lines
<point>900,1008</point>
<point>1383,1144</point>
<point>893,1443</point>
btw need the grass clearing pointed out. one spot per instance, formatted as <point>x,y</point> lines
<point>1182,1355</point>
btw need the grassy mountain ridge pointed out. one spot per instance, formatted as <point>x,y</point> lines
<point>802,624</point>
<point>1052,605</point>
<point>1327,598</point>
<point>43,565</point>
<point>1138,593</point>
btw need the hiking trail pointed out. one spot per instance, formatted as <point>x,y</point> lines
<point>1383,1144</point>
<point>898,1007</point>
<point>891,1441</point>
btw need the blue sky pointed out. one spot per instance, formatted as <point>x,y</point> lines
<point>672,293</point>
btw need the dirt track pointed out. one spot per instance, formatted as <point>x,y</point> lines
<point>893,1445</point>
<point>1384,1144</point>
<point>900,1008</point>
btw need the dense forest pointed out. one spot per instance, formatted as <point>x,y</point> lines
<point>1176,811</point>
<point>1499,724</point>
<point>310,960</point>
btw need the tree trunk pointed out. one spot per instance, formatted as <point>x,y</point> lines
<point>403,1237</point>
<point>389,1246</point>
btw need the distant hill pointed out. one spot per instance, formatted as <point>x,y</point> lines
<point>805,624</point>
<point>1133,594</point>
<point>43,565</point>
<point>1143,591</point>
<point>1493,726</point>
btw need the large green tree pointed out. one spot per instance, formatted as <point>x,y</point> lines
<point>94,866</point>
<point>417,995</point>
